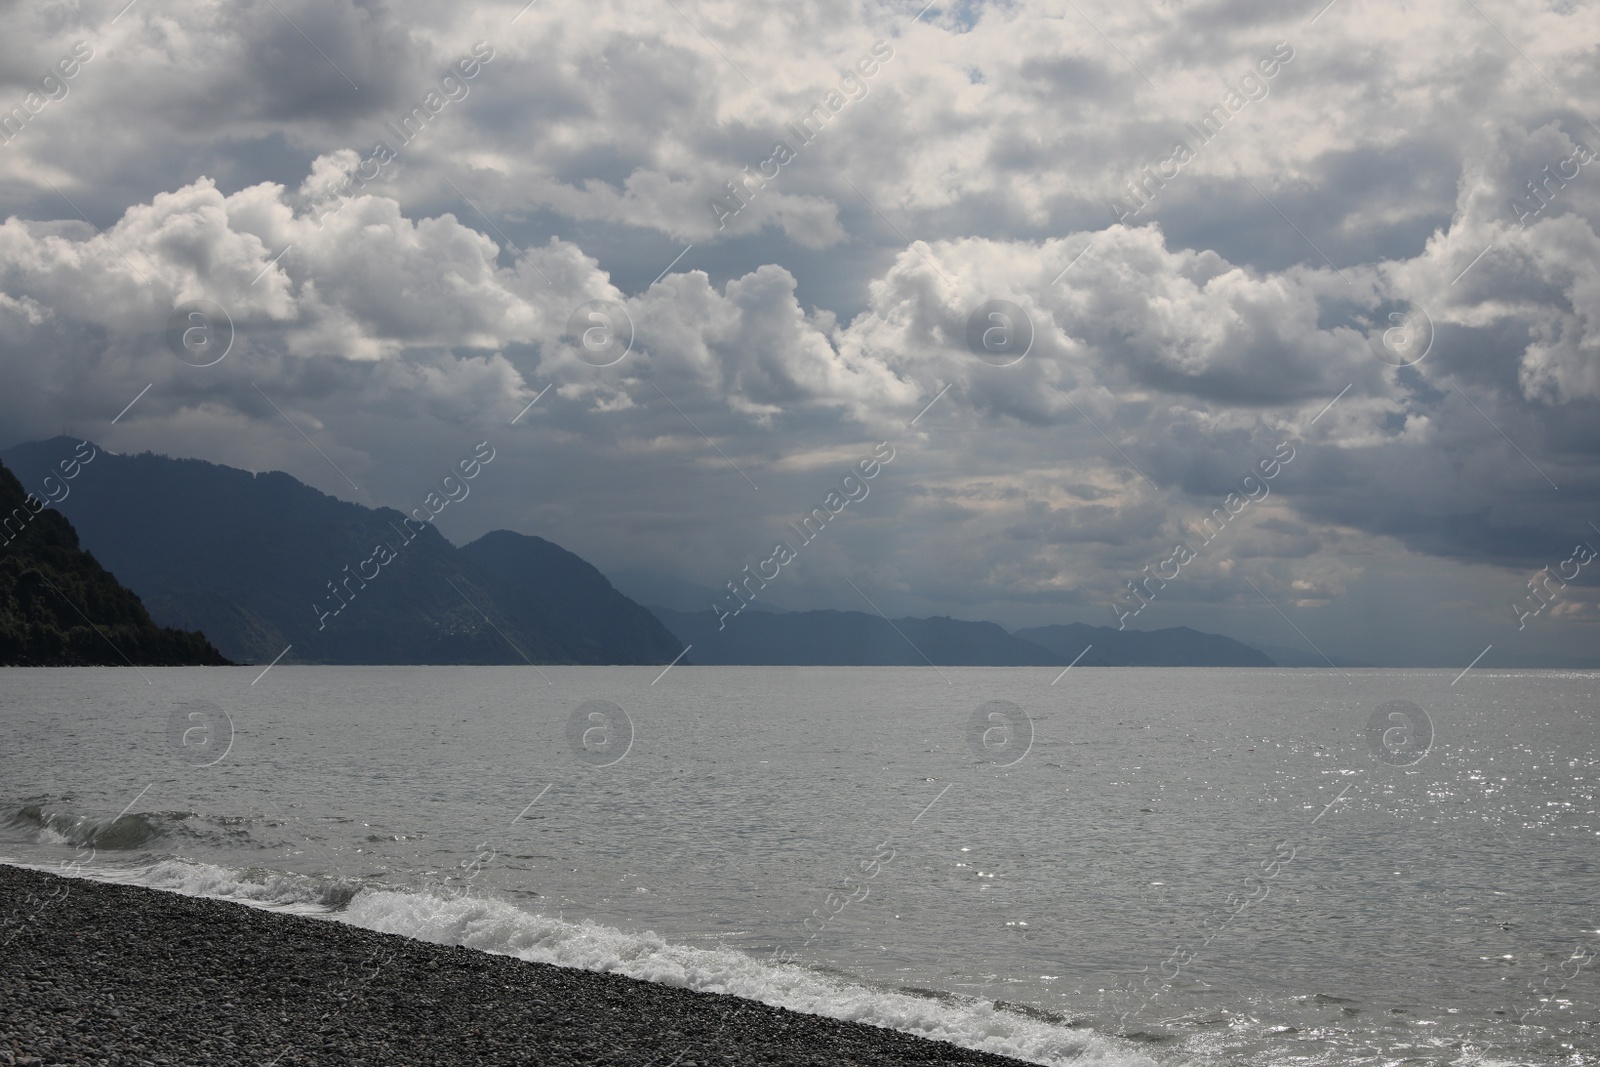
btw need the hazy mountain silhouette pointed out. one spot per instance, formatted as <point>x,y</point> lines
<point>59,607</point>
<point>848,639</point>
<point>856,639</point>
<point>564,595</point>
<point>1175,646</point>
<point>262,561</point>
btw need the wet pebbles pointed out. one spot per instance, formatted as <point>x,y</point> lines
<point>95,973</point>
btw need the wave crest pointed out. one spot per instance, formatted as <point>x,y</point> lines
<point>121,833</point>
<point>495,926</point>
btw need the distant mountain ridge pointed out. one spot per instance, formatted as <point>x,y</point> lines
<point>58,606</point>
<point>1175,646</point>
<point>847,639</point>
<point>261,562</point>
<point>856,639</point>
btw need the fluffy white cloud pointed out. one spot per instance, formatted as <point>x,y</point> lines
<point>1376,172</point>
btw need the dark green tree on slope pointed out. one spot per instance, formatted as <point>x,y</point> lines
<point>50,590</point>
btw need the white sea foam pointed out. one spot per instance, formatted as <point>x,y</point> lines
<point>494,926</point>
<point>501,928</point>
<point>254,886</point>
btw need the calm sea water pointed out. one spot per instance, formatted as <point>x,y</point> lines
<point>1177,867</point>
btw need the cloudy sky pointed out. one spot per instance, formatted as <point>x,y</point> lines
<point>1199,222</point>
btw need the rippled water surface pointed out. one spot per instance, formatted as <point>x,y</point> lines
<point>1184,866</point>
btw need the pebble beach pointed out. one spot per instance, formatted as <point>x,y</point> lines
<point>103,973</point>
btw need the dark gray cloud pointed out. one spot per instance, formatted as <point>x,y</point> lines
<point>978,161</point>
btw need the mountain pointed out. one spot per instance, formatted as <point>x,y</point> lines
<point>1176,646</point>
<point>60,608</point>
<point>262,561</point>
<point>848,639</point>
<point>561,593</point>
<point>856,639</point>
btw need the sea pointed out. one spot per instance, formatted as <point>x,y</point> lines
<point>1108,866</point>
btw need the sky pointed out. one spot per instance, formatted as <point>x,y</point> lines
<point>1093,273</point>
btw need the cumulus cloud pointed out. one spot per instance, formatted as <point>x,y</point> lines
<point>1381,176</point>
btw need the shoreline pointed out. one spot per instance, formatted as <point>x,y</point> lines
<point>100,972</point>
